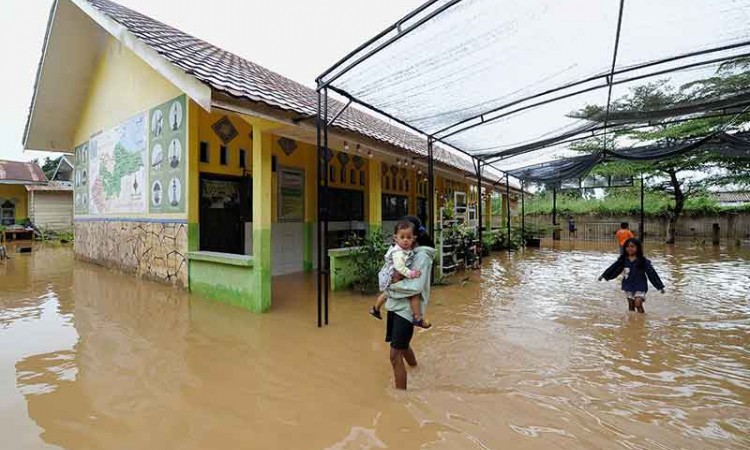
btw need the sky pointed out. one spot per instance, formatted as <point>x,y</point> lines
<point>279,35</point>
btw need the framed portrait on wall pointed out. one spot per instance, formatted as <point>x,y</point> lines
<point>291,203</point>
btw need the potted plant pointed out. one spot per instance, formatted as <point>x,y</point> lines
<point>367,255</point>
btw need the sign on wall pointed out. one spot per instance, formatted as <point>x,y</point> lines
<point>80,180</point>
<point>167,161</point>
<point>291,195</point>
<point>117,168</point>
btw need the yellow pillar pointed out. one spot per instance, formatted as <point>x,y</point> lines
<point>193,179</point>
<point>311,205</point>
<point>262,214</point>
<point>374,196</point>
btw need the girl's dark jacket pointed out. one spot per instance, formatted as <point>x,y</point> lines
<point>636,273</point>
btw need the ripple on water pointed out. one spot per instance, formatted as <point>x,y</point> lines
<point>535,353</point>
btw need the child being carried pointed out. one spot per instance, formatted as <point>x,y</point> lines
<point>397,265</point>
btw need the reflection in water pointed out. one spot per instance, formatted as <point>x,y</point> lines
<point>535,354</point>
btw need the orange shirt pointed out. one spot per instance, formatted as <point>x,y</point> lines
<point>623,235</point>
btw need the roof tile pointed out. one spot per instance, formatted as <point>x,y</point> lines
<point>226,72</point>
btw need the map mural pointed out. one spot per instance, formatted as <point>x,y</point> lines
<point>117,168</point>
<point>167,163</point>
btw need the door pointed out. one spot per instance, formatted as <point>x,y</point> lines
<point>223,213</point>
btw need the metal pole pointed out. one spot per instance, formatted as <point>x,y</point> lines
<point>554,214</point>
<point>430,187</point>
<point>319,272</point>
<point>326,260</point>
<point>642,225</point>
<point>523,211</point>
<point>507,208</point>
<point>478,165</point>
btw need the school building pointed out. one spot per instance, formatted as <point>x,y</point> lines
<point>198,168</point>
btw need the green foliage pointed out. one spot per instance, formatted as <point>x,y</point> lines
<point>368,259</point>
<point>673,176</point>
<point>65,237</point>
<point>49,166</point>
<point>623,202</point>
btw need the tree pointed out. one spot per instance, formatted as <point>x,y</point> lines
<point>49,166</point>
<point>688,174</point>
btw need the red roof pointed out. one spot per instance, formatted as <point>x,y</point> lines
<point>17,172</point>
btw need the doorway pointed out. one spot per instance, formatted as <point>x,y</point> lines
<point>225,208</point>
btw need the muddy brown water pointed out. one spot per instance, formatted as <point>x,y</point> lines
<point>534,354</point>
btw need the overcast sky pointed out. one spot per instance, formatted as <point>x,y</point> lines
<point>279,35</point>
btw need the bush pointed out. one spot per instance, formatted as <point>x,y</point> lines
<point>368,259</point>
<point>623,202</point>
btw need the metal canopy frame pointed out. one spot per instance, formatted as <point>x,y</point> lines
<point>423,15</point>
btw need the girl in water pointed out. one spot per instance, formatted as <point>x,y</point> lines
<point>637,272</point>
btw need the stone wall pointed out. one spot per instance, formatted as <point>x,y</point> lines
<point>156,251</point>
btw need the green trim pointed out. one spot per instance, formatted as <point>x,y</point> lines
<point>222,258</point>
<point>262,254</point>
<point>342,268</point>
<point>232,284</point>
<point>307,245</point>
<point>374,228</point>
<point>193,237</point>
<point>340,252</point>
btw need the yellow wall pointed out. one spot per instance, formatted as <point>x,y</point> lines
<point>122,86</point>
<point>304,158</point>
<point>243,141</point>
<point>18,194</point>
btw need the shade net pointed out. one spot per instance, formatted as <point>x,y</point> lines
<point>509,80</point>
<point>562,170</point>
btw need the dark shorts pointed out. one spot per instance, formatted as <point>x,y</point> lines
<point>398,331</point>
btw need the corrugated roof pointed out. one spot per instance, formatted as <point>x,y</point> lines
<point>18,172</point>
<point>228,73</point>
<point>733,197</point>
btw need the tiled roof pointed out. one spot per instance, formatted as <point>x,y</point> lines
<point>17,172</point>
<point>233,75</point>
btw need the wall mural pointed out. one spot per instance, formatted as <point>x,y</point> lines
<point>80,180</point>
<point>123,169</point>
<point>117,168</point>
<point>167,162</point>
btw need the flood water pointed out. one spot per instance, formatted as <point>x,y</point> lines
<point>534,354</point>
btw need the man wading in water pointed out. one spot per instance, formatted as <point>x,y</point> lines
<point>399,326</point>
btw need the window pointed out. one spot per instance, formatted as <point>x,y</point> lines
<point>352,177</point>
<point>361,177</point>
<point>394,206</point>
<point>331,174</point>
<point>346,205</point>
<point>7,213</point>
<point>243,154</point>
<point>223,155</point>
<point>204,152</point>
